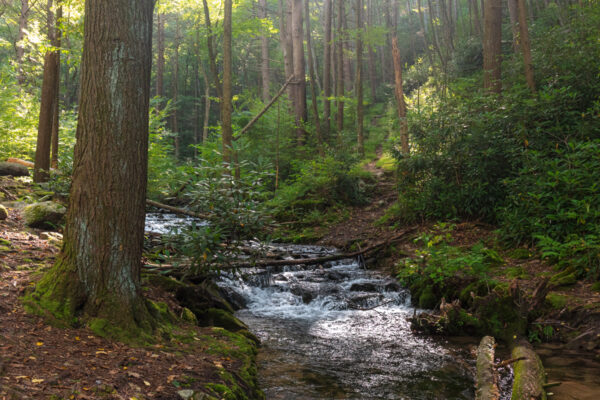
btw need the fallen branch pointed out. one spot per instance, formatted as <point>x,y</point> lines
<point>504,363</point>
<point>28,164</point>
<point>264,110</point>
<point>176,210</point>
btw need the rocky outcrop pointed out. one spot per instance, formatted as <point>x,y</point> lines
<point>45,215</point>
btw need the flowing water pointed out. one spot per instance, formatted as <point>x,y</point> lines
<point>337,331</point>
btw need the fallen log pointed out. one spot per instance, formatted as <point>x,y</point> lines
<point>176,210</point>
<point>529,375</point>
<point>28,164</point>
<point>487,378</point>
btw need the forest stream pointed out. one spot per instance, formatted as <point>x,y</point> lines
<point>338,331</point>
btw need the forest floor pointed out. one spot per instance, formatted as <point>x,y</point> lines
<point>39,361</point>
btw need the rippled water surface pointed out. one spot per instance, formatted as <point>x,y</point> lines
<point>336,331</point>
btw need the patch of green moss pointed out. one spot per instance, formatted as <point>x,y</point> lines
<point>564,278</point>
<point>5,242</point>
<point>596,287</point>
<point>427,299</point>
<point>517,272</point>
<point>555,300</point>
<point>386,162</point>
<point>520,254</point>
<point>164,282</point>
<point>188,316</point>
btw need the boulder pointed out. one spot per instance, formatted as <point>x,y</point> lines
<point>13,169</point>
<point>364,287</point>
<point>3,213</point>
<point>47,214</point>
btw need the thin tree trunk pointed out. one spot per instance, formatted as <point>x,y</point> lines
<point>436,40</point>
<point>160,55</point>
<point>313,91</point>
<point>47,106</point>
<point>400,96</point>
<point>513,13</point>
<point>205,123</point>
<point>97,274</point>
<point>212,56</point>
<point>175,87</point>
<point>347,51</point>
<point>372,76</point>
<point>299,72</point>
<point>227,107</point>
<point>359,79</point>
<point>196,90</point>
<point>339,64</point>
<point>20,37</point>
<point>492,46</point>
<point>477,17</point>
<point>424,29</point>
<point>285,23</point>
<point>264,48</point>
<point>526,45</point>
<point>328,5</point>
<point>56,111</point>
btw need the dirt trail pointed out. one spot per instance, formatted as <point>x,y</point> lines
<point>361,227</point>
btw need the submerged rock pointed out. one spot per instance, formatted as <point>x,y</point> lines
<point>13,169</point>
<point>47,214</point>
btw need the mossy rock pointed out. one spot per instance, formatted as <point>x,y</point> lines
<point>596,287</point>
<point>13,169</point>
<point>427,298</point>
<point>188,316</point>
<point>201,297</point>
<point>220,318</point>
<point>44,215</point>
<point>3,213</point>
<point>564,278</point>
<point>471,291</point>
<point>556,301</point>
<point>161,311</point>
<point>164,282</point>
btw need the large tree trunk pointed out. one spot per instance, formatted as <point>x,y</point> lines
<point>160,55</point>
<point>47,106</point>
<point>264,49</point>
<point>359,79</point>
<point>97,274</point>
<point>299,71</point>
<point>328,5</point>
<point>313,90</point>
<point>227,107</point>
<point>525,44</point>
<point>400,96</point>
<point>339,69</point>
<point>492,46</point>
<point>20,36</point>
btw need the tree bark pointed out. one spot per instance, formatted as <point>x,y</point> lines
<point>525,45</point>
<point>327,47</point>
<point>529,373</point>
<point>492,46</point>
<point>424,29</point>
<point>205,123</point>
<point>359,79</point>
<point>48,104</point>
<point>477,17</point>
<point>227,107</point>
<point>97,274</point>
<point>372,71</point>
<point>313,89</point>
<point>299,71</point>
<point>264,49</point>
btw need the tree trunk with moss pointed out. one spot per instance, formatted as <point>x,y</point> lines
<point>97,275</point>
